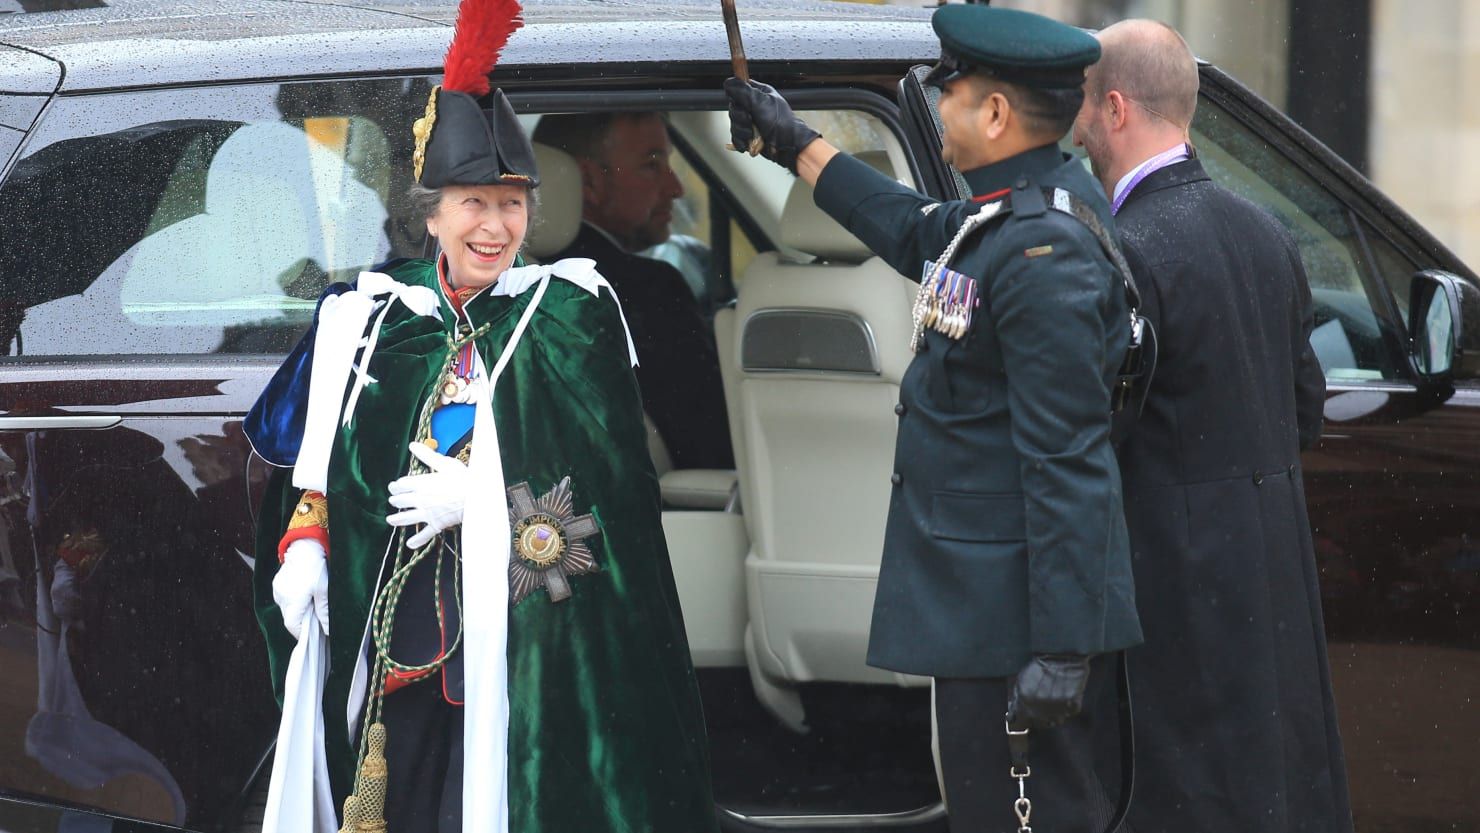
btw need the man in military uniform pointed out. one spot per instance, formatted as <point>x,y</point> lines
<point>1006,572</point>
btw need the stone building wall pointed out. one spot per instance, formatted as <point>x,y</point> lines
<point>1425,124</point>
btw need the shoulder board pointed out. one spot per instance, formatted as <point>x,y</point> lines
<point>1027,200</point>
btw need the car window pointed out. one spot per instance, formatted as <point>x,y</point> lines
<point>201,221</point>
<point>10,139</point>
<point>1352,336</point>
<point>761,186</point>
<point>1396,269</point>
<point>708,244</point>
<point>691,238</point>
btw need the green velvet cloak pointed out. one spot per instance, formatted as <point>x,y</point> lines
<point>606,730</point>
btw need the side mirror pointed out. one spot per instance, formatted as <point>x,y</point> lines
<point>1444,328</point>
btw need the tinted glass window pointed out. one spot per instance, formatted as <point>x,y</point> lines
<point>1395,268</point>
<point>201,221</point>
<point>690,243</point>
<point>9,140</point>
<point>696,227</point>
<point>1351,338</point>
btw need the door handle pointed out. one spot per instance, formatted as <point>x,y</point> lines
<point>48,423</point>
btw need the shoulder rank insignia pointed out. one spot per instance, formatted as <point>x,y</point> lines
<point>549,542</point>
<point>951,300</point>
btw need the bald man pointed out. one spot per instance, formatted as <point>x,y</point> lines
<point>1235,724</point>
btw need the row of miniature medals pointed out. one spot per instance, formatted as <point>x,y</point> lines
<point>457,382</point>
<point>946,302</point>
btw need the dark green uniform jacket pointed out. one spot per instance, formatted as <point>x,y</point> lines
<point>606,731</point>
<point>1006,535</point>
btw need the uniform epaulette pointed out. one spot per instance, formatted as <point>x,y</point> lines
<point>1027,200</point>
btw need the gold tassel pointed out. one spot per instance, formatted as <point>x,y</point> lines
<point>351,815</point>
<point>364,812</point>
<point>372,783</point>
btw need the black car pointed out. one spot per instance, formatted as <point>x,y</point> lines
<point>179,180</point>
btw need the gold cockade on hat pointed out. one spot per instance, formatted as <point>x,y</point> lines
<point>422,130</point>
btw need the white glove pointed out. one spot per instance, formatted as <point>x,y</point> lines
<point>435,499</point>
<point>301,585</point>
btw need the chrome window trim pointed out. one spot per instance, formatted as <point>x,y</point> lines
<point>47,423</point>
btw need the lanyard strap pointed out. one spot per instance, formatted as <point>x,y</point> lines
<point>1147,168</point>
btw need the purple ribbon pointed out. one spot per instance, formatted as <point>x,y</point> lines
<point>1149,167</point>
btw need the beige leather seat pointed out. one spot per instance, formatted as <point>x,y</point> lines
<point>557,218</point>
<point>707,547</point>
<point>813,370</point>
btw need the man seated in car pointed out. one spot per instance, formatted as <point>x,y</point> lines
<point>628,191</point>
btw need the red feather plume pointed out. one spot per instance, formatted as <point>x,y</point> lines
<point>483,28</point>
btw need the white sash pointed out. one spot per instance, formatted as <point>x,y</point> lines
<point>298,795</point>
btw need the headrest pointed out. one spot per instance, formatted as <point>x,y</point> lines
<point>808,228</point>
<point>557,221</point>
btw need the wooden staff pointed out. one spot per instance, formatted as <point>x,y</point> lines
<point>738,65</point>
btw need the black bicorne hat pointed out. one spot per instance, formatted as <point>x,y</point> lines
<point>469,145</point>
<point>457,141</point>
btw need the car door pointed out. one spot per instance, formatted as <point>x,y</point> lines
<point>777,588</point>
<point>1393,487</point>
<point>164,250</point>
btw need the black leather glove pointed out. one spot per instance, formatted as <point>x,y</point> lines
<point>756,109</point>
<point>1049,691</point>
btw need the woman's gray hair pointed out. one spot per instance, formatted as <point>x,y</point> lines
<point>425,201</point>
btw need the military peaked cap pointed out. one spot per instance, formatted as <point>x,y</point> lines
<point>1010,45</point>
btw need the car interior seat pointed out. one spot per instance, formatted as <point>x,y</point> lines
<point>814,354</point>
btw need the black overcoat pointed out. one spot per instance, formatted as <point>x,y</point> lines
<point>1235,724</point>
<point>1005,535</point>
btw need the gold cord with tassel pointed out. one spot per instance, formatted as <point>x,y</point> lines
<point>364,812</point>
<point>364,809</point>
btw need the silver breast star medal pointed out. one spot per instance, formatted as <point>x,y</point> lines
<point>549,542</point>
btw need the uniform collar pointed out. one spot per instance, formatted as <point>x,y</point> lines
<point>1000,176</point>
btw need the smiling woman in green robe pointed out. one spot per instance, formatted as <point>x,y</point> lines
<point>474,521</point>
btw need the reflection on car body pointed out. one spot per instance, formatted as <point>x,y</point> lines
<point>173,203</point>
